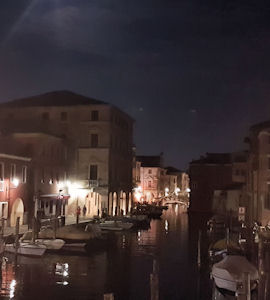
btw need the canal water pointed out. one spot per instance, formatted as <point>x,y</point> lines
<point>123,268</point>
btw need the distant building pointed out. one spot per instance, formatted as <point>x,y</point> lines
<point>98,141</point>
<point>214,172</point>
<point>182,181</point>
<point>152,179</point>
<point>258,186</point>
<point>14,192</point>
<point>37,164</point>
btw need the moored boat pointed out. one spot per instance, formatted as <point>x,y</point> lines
<point>152,211</point>
<point>228,273</point>
<point>115,225</point>
<point>51,244</point>
<point>25,248</point>
<point>69,233</point>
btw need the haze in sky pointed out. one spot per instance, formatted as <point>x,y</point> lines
<point>193,74</point>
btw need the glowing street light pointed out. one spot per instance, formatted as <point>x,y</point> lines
<point>15,182</point>
<point>177,191</point>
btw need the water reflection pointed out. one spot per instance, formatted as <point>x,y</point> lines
<point>166,226</point>
<point>8,282</point>
<point>123,268</point>
<point>62,272</point>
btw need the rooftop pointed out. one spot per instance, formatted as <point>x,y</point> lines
<point>150,161</point>
<point>56,98</point>
<point>260,126</point>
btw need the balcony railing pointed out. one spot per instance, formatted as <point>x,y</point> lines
<point>93,183</point>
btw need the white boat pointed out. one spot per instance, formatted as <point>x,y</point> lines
<point>25,248</point>
<point>115,225</point>
<point>51,244</point>
<point>228,273</point>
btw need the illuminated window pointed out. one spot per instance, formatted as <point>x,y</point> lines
<point>24,174</point>
<point>51,207</point>
<point>93,170</point>
<point>1,171</point>
<point>12,171</point>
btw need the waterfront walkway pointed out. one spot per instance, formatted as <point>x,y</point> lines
<point>8,230</point>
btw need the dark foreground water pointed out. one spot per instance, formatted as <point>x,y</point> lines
<point>123,268</point>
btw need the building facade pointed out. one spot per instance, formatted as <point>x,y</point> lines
<point>98,141</point>
<point>214,172</point>
<point>258,184</point>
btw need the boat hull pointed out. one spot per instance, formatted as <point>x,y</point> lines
<point>228,273</point>
<point>26,249</point>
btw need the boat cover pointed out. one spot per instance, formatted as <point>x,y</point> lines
<point>232,267</point>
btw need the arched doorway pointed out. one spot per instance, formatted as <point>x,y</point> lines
<point>124,203</point>
<point>17,211</point>
<point>114,204</point>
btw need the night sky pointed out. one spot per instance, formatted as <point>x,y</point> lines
<point>194,74</point>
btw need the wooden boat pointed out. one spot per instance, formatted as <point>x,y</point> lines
<point>228,273</point>
<point>25,248</point>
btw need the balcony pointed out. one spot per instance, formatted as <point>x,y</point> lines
<point>93,183</point>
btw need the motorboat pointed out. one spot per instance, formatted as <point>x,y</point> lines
<point>115,225</point>
<point>26,248</point>
<point>228,273</point>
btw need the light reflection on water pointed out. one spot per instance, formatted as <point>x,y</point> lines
<point>123,268</point>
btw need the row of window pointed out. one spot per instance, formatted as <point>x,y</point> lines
<point>14,172</point>
<point>116,143</point>
<point>64,116</point>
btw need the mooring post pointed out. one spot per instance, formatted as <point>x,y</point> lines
<point>54,227</point>
<point>199,249</point>
<point>2,228</point>
<point>108,296</point>
<point>243,288</point>
<point>247,285</point>
<point>17,229</point>
<point>154,282</point>
<point>227,237</point>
